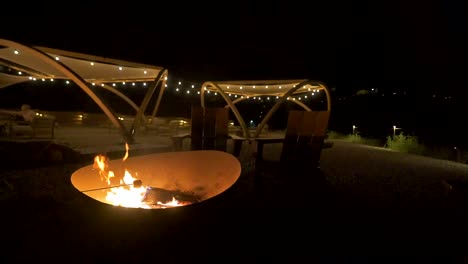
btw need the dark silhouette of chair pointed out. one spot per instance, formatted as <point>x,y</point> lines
<point>209,129</point>
<point>302,145</point>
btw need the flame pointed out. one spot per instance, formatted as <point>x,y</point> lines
<point>126,152</point>
<point>101,163</point>
<point>126,194</point>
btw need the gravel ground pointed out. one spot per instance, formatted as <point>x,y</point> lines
<point>366,204</point>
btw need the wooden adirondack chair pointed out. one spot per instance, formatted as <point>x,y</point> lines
<point>302,145</point>
<point>209,129</point>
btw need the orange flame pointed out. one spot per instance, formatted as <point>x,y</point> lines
<point>126,195</point>
<point>101,163</point>
<point>126,152</point>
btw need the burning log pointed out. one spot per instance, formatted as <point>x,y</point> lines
<point>158,196</point>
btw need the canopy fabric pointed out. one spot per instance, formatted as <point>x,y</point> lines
<point>9,79</point>
<point>32,63</point>
<point>262,87</point>
<point>90,68</point>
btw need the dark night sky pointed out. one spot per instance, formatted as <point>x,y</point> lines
<point>420,45</point>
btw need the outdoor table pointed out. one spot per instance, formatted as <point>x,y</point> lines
<point>262,140</point>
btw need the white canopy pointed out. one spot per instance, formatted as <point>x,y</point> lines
<point>30,62</point>
<point>91,68</point>
<point>262,88</point>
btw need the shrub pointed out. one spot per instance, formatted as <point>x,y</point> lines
<point>354,138</point>
<point>334,135</point>
<point>405,143</point>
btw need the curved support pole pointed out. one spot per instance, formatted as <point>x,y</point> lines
<point>327,94</point>
<point>161,92</point>
<point>77,79</point>
<point>302,105</point>
<point>236,101</point>
<point>230,104</point>
<point>121,95</point>
<point>283,98</point>
<point>144,104</point>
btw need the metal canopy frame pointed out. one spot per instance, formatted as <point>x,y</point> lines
<point>254,88</point>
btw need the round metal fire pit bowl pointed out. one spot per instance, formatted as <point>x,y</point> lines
<point>203,173</point>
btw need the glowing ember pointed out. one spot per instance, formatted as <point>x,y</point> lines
<point>126,193</point>
<point>172,203</point>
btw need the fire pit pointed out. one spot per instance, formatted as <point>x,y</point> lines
<point>157,181</point>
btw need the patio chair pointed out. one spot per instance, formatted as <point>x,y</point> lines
<point>209,129</point>
<point>40,127</point>
<point>301,146</point>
